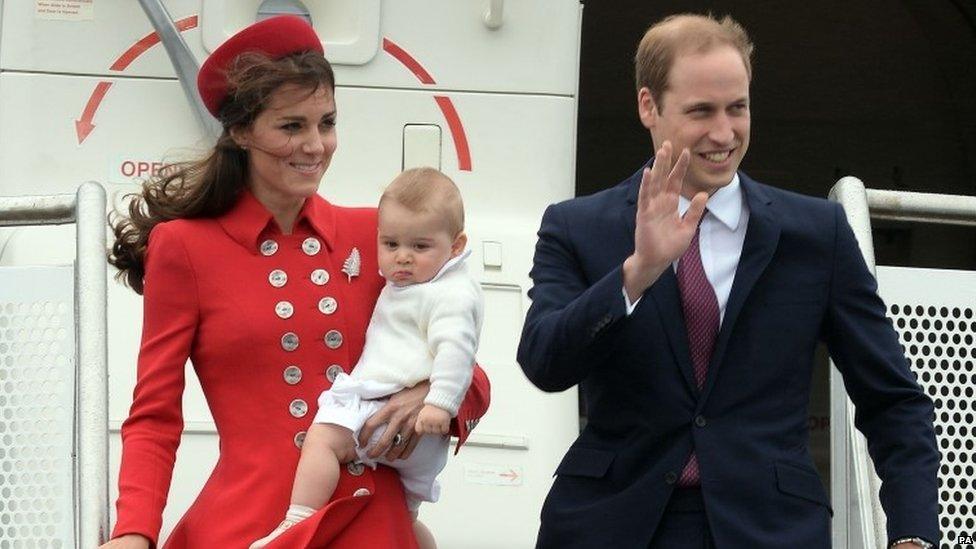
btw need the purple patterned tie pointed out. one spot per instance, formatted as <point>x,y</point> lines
<point>700,308</point>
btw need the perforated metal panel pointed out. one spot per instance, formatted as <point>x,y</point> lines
<point>36,407</point>
<point>935,314</point>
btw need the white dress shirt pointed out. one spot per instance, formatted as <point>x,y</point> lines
<point>723,231</point>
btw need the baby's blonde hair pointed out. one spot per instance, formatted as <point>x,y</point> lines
<point>428,190</point>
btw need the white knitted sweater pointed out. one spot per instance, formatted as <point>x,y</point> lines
<point>426,331</point>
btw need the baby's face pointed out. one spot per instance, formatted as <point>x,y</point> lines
<point>413,246</point>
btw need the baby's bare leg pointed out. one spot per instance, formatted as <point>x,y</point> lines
<point>425,539</point>
<point>326,446</point>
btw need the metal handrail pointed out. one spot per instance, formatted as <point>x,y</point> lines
<point>848,448</point>
<point>184,63</point>
<point>86,209</point>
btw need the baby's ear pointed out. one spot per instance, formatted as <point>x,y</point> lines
<point>460,241</point>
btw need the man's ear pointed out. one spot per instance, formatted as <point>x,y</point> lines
<point>460,241</point>
<point>646,108</point>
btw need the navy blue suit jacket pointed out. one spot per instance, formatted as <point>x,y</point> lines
<point>801,279</point>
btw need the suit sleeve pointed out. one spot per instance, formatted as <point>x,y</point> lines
<point>151,433</point>
<point>571,325</point>
<point>891,409</point>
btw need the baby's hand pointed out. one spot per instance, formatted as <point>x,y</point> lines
<point>433,420</point>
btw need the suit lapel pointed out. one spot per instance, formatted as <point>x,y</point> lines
<point>664,293</point>
<point>667,297</point>
<point>762,237</point>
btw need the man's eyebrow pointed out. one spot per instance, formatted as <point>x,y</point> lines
<point>699,105</point>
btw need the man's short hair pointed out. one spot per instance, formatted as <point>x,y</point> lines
<point>682,34</point>
<point>428,190</point>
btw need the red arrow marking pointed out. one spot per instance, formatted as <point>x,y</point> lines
<point>511,475</point>
<point>147,42</point>
<point>84,126</point>
<point>444,102</point>
<point>408,61</point>
<point>457,131</point>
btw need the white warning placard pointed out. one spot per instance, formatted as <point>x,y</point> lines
<point>495,475</point>
<point>65,10</point>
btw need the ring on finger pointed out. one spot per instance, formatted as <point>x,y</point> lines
<point>398,439</point>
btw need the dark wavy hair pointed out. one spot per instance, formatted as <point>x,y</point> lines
<point>209,186</point>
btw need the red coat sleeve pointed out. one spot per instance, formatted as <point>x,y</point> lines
<point>474,406</point>
<point>151,434</point>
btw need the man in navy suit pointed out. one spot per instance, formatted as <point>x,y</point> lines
<point>687,302</point>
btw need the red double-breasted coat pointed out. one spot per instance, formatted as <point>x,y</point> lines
<point>267,319</point>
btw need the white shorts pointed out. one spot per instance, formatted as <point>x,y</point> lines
<point>350,402</point>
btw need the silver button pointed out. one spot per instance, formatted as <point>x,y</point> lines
<point>269,247</point>
<point>299,439</point>
<point>328,305</point>
<point>277,278</point>
<point>289,341</point>
<point>355,468</point>
<point>284,309</point>
<point>311,246</point>
<point>293,374</point>
<point>361,492</point>
<point>332,372</point>
<point>298,408</point>
<point>320,277</point>
<point>333,339</point>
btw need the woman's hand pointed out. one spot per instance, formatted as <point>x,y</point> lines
<point>400,415</point>
<point>128,541</point>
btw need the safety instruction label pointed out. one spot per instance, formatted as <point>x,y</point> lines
<point>65,10</point>
<point>496,475</point>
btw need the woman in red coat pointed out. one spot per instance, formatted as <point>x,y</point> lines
<point>268,289</point>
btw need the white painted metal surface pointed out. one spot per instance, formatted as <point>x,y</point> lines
<point>535,51</point>
<point>37,387</point>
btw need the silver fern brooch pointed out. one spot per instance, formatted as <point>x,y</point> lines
<point>352,264</point>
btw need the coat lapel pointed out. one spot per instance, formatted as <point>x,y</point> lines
<point>762,236</point>
<point>664,293</point>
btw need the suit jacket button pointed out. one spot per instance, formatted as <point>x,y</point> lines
<point>333,372</point>
<point>355,468</point>
<point>284,309</point>
<point>671,477</point>
<point>269,247</point>
<point>298,408</point>
<point>700,421</point>
<point>320,277</point>
<point>278,278</point>
<point>311,246</point>
<point>293,374</point>
<point>333,339</point>
<point>289,341</point>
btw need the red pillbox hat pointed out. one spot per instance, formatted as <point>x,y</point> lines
<point>275,37</point>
